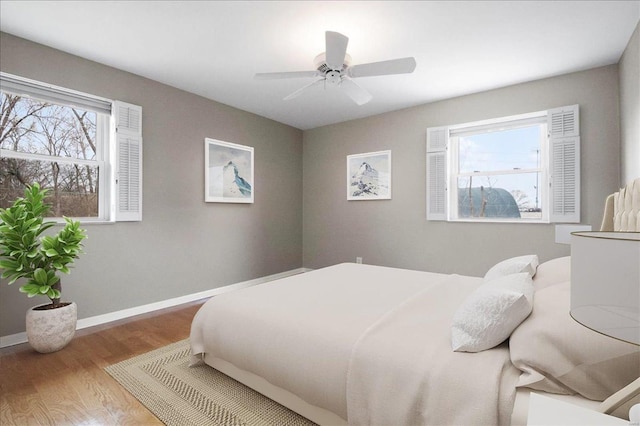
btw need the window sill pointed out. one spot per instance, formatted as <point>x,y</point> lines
<point>527,221</point>
<point>83,221</point>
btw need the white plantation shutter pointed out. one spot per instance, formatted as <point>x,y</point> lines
<point>564,146</point>
<point>437,140</point>
<point>128,162</point>
<point>129,118</point>
<point>436,186</point>
<point>563,122</point>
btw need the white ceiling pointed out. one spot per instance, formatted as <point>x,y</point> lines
<point>213,48</point>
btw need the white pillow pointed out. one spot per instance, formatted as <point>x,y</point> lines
<point>514,265</point>
<point>490,314</point>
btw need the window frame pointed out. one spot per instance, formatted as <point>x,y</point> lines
<point>107,142</point>
<point>488,126</point>
<point>560,181</point>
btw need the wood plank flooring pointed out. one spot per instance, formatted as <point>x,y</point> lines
<point>70,387</point>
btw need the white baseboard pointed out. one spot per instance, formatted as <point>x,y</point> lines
<point>15,339</point>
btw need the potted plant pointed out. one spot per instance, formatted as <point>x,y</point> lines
<point>27,254</point>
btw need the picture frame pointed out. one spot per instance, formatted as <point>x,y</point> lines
<point>228,172</point>
<point>369,176</point>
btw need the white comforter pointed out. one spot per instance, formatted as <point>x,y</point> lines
<point>370,344</point>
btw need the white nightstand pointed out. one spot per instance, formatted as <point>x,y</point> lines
<point>545,411</point>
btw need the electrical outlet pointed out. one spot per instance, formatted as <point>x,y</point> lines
<point>358,259</point>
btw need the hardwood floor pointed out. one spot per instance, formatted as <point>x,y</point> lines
<point>69,387</point>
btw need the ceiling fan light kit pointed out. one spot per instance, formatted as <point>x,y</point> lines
<point>333,68</point>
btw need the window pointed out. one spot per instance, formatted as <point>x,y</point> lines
<point>513,169</point>
<point>84,149</point>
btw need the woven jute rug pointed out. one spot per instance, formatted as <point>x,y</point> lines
<point>181,395</point>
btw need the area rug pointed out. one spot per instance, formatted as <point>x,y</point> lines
<point>181,395</point>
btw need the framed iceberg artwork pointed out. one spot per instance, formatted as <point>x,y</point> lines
<point>369,176</point>
<point>228,172</point>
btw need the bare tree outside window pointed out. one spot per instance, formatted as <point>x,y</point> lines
<point>53,145</point>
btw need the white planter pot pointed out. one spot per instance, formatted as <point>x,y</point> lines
<point>50,330</point>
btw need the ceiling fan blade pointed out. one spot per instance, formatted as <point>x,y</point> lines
<point>355,92</point>
<point>278,75</point>
<point>393,66</point>
<point>300,90</point>
<point>336,49</point>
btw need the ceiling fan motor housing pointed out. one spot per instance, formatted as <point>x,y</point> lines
<point>331,75</point>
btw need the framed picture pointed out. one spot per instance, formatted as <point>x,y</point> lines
<point>369,176</point>
<point>228,172</point>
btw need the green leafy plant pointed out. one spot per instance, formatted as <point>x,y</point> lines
<point>26,253</point>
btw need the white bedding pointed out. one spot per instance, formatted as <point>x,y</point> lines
<point>363,342</point>
<point>404,372</point>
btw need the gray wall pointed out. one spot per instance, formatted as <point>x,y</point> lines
<point>630,109</point>
<point>395,232</point>
<point>183,245</point>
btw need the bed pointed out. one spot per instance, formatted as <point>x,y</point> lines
<point>370,345</point>
<point>367,345</point>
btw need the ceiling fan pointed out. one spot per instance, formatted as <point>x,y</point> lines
<point>333,68</point>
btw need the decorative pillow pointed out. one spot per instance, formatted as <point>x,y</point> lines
<point>489,314</point>
<point>557,354</point>
<point>552,272</point>
<point>514,265</point>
